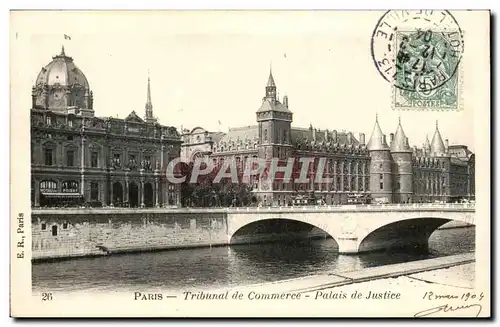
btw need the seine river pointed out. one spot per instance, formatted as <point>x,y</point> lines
<point>209,268</point>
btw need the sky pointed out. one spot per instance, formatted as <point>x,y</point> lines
<point>207,67</point>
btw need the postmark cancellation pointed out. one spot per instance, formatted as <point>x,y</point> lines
<point>419,53</point>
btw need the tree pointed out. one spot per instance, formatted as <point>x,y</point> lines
<point>205,193</point>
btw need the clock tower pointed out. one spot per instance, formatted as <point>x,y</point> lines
<point>274,122</point>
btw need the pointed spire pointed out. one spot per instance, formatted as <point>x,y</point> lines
<point>149,105</point>
<point>377,139</point>
<point>437,145</point>
<point>149,90</point>
<point>270,80</point>
<point>400,140</point>
<point>271,87</point>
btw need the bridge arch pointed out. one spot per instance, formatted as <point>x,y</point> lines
<point>267,229</point>
<point>357,229</point>
<point>410,233</point>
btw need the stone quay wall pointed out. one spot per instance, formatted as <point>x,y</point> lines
<point>66,233</point>
<point>77,233</point>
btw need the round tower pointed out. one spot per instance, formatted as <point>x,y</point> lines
<point>438,150</point>
<point>402,168</point>
<point>380,166</point>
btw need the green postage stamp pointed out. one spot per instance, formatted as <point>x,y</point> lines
<point>426,77</point>
<point>419,53</point>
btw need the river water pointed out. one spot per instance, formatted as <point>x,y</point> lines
<point>209,268</point>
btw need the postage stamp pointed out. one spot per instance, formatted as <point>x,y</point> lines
<point>426,95</point>
<point>422,61</point>
<point>319,201</point>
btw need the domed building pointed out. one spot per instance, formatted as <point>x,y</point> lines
<point>80,159</point>
<point>62,86</point>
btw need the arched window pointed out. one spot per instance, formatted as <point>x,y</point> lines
<point>48,186</point>
<point>70,187</point>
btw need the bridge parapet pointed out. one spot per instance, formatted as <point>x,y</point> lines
<point>462,207</point>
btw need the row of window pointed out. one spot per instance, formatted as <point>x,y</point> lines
<point>50,186</point>
<point>117,157</point>
<point>50,158</point>
<point>54,227</point>
<point>348,185</point>
<point>48,120</point>
<point>332,166</point>
<point>427,186</point>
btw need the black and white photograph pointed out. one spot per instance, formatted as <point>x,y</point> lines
<point>250,163</point>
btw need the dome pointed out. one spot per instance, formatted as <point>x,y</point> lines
<point>63,71</point>
<point>61,86</point>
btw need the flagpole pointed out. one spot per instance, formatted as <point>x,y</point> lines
<point>66,39</point>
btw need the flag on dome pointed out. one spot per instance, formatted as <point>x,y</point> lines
<point>67,37</point>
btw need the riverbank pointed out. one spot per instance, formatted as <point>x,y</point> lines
<point>455,271</point>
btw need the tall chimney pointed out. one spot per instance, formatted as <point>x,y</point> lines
<point>349,138</point>
<point>407,142</point>
<point>391,137</point>
<point>385,139</point>
<point>327,137</point>
<point>446,145</point>
<point>362,138</point>
<point>334,134</point>
<point>314,134</point>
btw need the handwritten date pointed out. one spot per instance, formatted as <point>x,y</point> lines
<point>467,307</point>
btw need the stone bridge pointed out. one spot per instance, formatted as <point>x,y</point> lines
<point>355,228</point>
<point>362,228</point>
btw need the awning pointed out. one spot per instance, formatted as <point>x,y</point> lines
<point>62,195</point>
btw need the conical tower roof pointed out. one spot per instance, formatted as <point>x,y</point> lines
<point>437,145</point>
<point>377,139</point>
<point>270,80</point>
<point>399,143</point>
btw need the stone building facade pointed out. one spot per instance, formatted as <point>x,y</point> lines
<point>347,158</point>
<point>79,158</point>
<point>434,172</point>
<point>377,171</point>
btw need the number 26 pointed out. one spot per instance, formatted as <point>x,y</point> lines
<point>47,297</point>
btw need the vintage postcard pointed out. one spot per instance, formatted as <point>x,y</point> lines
<point>250,163</point>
